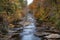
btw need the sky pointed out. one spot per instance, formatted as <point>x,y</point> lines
<point>29,2</point>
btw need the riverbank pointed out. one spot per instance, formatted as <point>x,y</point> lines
<point>47,32</point>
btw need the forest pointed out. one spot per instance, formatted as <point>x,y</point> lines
<point>14,13</point>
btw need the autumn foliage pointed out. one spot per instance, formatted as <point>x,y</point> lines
<point>47,11</point>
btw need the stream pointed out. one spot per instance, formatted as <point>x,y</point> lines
<point>29,30</point>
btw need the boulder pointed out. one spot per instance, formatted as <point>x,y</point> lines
<point>53,36</point>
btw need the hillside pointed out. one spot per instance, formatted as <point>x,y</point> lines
<point>46,12</point>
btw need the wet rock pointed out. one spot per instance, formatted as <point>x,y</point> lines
<point>3,31</point>
<point>18,26</point>
<point>15,37</point>
<point>26,23</point>
<point>19,31</point>
<point>41,34</point>
<point>53,36</point>
<point>1,20</point>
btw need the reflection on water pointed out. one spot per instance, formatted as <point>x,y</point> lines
<point>28,31</point>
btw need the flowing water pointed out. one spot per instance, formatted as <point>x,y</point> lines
<point>29,30</point>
